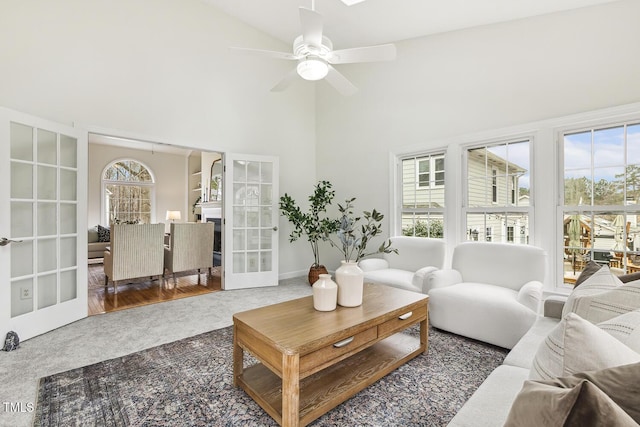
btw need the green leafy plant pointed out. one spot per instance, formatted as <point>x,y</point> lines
<point>353,238</point>
<point>312,224</point>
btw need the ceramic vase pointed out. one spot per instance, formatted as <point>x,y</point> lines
<point>325,293</point>
<point>350,280</point>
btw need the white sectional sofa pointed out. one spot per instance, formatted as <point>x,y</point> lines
<point>569,356</point>
<point>491,402</point>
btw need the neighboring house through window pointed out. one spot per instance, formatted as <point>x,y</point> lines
<point>600,194</point>
<point>423,189</point>
<point>497,189</point>
<point>128,190</point>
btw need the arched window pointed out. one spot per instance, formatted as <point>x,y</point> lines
<point>128,193</point>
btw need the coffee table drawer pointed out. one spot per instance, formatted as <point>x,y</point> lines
<point>399,323</point>
<point>337,349</point>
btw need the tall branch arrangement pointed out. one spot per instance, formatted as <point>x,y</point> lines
<point>312,223</point>
<point>353,238</point>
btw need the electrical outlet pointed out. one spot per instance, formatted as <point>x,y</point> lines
<point>25,292</point>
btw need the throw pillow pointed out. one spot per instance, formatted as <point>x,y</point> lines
<point>577,345</point>
<point>589,269</point>
<point>625,328</point>
<point>103,234</point>
<point>629,277</point>
<point>585,399</point>
<point>607,305</point>
<point>601,281</point>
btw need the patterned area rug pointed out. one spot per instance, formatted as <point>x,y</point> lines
<point>190,383</point>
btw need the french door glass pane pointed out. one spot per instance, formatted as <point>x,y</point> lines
<point>68,285</point>
<point>47,219</point>
<point>47,255</point>
<point>47,290</point>
<point>22,259</point>
<point>68,151</point>
<point>21,142</point>
<point>21,180</point>
<point>47,147</point>
<point>20,302</point>
<point>21,219</point>
<point>47,183</point>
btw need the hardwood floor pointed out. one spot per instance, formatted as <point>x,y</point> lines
<point>140,292</point>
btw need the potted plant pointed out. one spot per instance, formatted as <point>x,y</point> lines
<point>353,240</point>
<point>312,223</point>
<point>352,243</point>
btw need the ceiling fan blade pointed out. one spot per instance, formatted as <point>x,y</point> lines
<point>267,53</point>
<point>383,52</point>
<point>340,82</point>
<point>286,81</point>
<point>311,23</point>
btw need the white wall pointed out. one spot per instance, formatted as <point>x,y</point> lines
<point>169,171</point>
<point>162,69</point>
<point>445,87</point>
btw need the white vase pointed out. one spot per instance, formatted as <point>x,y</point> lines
<point>350,280</point>
<point>325,293</point>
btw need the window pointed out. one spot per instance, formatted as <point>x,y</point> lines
<point>128,192</point>
<point>423,189</point>
<point>600,197</point>
<point>430,171</point>
<point>497,192</point>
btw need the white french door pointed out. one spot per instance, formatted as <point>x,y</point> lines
<point>251,217</point>
<point>43,185</point>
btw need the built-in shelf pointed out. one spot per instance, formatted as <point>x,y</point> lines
<point>197,173</point>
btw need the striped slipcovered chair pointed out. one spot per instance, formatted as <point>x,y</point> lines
<point>190,248</point>
<point>136,250</point>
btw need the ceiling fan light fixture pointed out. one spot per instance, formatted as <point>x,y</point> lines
<point>312,69</point>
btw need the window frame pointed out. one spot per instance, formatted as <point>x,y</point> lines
<point>493,207</point>
<point>433,172</point>
<point>104,219</point>
<point>590,210</point>
<point>438,212</point>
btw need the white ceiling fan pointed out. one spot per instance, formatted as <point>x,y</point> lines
<point>316,57</point>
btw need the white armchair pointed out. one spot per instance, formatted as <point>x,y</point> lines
<point>191,248</point>
<point>417,257</point>
<point>492,293</point>
<point>136,250</point>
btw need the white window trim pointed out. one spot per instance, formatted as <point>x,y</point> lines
<point>559,132</point>
<point>432,171</point>
<point>543,134</point>
<point>103,188</point>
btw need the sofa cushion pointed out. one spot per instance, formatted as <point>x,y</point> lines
<point>625,328</point>
<point>577,345</point>
<point>393,277</point>
<point>524,351</point>
<point>93,235</point>
<point>585,399</point>
<point>103,234</point>
<point>579,301</point>
<point>587,272</point>
<point>605,305</point>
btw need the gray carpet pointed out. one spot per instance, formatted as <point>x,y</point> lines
<point>117,334</point>
<point>189,382</point>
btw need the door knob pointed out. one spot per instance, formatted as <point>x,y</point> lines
<point>4,241</point>
<point>275,228</point>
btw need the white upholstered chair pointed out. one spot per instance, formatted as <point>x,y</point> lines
<point>492,293</point>
<point>408,269</point>
<point>190,247</point>
<point>136,250</point>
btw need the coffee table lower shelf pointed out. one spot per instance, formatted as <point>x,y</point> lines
<point>326,389</point>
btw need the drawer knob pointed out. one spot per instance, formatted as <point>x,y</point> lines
<point>406,316</point>
<point>343,342</point>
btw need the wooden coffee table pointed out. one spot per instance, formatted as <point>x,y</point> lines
<point>311,361</point>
